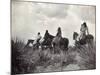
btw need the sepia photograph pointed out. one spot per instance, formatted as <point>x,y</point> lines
<point>52,37</point>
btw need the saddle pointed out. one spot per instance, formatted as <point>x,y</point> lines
<point>86,39</point>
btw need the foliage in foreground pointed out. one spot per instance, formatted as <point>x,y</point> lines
<point>27,60</point>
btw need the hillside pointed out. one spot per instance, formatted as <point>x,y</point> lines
<point>27,60</point>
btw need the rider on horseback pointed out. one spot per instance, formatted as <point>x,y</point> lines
<point>84,36</point>
<point>38,37</point>
<point>83,31</point>
<point>58,37</point>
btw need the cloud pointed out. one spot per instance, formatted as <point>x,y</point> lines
<point>86,13</point>
<point>54,10</point>
<point>28,18</point>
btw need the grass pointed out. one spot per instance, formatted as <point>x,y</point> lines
<point>27,60</point>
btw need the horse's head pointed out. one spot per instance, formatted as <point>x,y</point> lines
<point>75,35</point>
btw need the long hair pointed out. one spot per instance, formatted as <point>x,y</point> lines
<point>59,31</point>
<point>75,34</point>
<point>85,25</point>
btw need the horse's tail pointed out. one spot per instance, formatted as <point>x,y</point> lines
<point>66,43</point>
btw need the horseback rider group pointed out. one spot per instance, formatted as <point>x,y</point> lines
<point>83,32</point>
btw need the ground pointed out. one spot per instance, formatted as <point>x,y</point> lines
<point>29,60</point>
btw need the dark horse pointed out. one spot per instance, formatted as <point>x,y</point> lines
<point>87,40</point>
<point>46,43</point>
<point>47,40</point>
<point>61,44</point>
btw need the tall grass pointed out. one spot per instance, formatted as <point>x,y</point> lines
<point>16,53</point>
<point>28,60</point>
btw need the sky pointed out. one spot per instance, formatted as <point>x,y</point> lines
<point>29,18</point>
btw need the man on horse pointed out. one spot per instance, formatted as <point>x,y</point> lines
<point>58,35</point>
<point>84,36</point>
<point>83,31</point>
<point>60,43</point>
<point>38,37</point>
<point>37,40</point>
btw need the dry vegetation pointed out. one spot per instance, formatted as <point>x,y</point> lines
<point>27,60</point>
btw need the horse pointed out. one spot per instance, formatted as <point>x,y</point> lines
<point>87,40</point>
<point>34,43</point>
<point>60,44</point>
<point>44,42</point>
<point>30,41</point>
<point>47,40</point>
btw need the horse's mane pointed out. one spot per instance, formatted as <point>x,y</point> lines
<point>48,35</point>
<point>51,36</point>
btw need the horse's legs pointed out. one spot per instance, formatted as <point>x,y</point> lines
<point>34,46</point>
<point>28,42</point>
<point>42,47</point>
<point>53,47</point>
<point>90,44</point>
